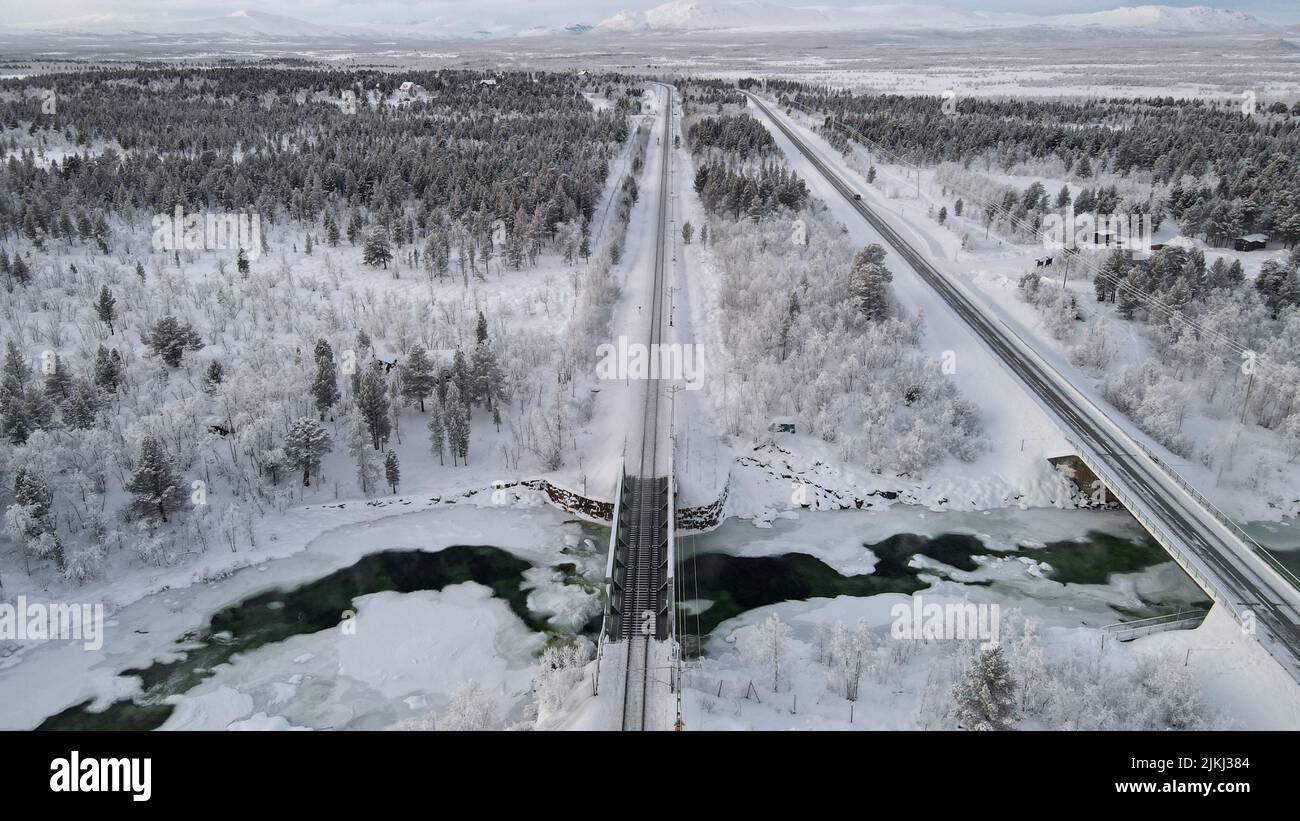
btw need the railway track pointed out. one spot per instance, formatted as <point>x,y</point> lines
<point>647,492</point>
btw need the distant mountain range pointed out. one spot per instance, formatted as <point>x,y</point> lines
<point>695,15</point>
<point>674,16</point>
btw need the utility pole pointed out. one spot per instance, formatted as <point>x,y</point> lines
<point>1245,404</point>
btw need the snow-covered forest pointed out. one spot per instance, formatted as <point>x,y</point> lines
<point>158,397</point>
<point>810,326</point>
<point>1192,339</point>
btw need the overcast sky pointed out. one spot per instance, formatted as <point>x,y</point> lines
<point>521,13</point>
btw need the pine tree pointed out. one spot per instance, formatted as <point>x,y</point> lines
<point>372,402</point>
<point>156,485</point>
<point>105,307</point>
<point>418,377</point>
<point>81,410</point>
<point>18,406</point>
<point>22,273</point>
<point>108,373</point>
<point>355,227</point>
<point>170,338</point>
<point>241,262</point>
<point>437,432</point>
<point>360,451</point>
<point>392,473</point>
<point>331,230</point>
<point>984,697</point>
<point>57,381</point>
<point>456,419</point>
<point>325,384</point>
<point>868,282</point>
<point>1112,272</point>
<point>35,524</point>
<point>489,381</point>
<point>305,447</point>
<point>481,329</point>
<point>463,376</point>
<point>377,250</point>
<point>688,231</point>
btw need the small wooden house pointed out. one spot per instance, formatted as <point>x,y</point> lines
<point>1251,242</point>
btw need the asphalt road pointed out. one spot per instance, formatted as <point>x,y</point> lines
<point>1189,533</point>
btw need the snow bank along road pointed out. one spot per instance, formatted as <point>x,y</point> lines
<point>1261,599</point>
<point>645,551</point>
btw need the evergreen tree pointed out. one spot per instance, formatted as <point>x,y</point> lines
<point>392,473</point>
<point>456,419</point>
<point>437,432</point>
<point>868,282</point>
<point>57,381</point>
<point>355,227</point>
<point>1110,275</point>
<point>155,484</point>
<point>372,402</point>
<point>20,271</point>
<point>377,250</point>
<point>984,697</point>
<point>36,523</point>
<point>331,230</point>
<point>170,338</point>
<point>105,308</point>
<point>81,410</point>
<point>481,329</point>
<point>418,377</point>
<point>305,447</point>
<point>241,262</point>
<point>325,383</point>
<point>463,376</point>
<point>489,381</point>
<point>108,370</point>
<point>24,408</point>
<point>359,440</point>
